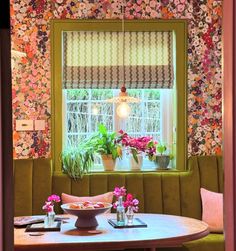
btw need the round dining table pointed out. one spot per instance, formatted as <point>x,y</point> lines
<point>161,231</point>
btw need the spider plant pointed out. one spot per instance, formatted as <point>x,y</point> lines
<point>77,161</point>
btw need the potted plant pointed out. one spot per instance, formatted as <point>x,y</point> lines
<point>77,161</point>
<point>105,144</point>
<point>162,159</point>
<point>136,147</point>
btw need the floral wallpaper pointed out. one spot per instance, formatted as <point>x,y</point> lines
<point>31,76</point>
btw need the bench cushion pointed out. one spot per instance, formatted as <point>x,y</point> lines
<point>158,192</point>
<point>212,242</point>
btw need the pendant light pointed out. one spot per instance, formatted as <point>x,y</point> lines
<point>123,109</point>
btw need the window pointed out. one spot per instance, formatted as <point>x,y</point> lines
<point>85,109</point>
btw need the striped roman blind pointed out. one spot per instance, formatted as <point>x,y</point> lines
<point>94,59</point>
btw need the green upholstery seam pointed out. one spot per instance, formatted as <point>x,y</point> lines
<point>144,207</point>
<point>162,200</point>
<point>107,183</point>
<point>125,181</point>
<point>89,185</point>
<point>32,185</point>
<point>180,195</point>
<point>199,171</point>
<point>71,192</point>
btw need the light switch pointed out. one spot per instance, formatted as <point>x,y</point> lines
<point>39,125</point>
<point>24,125</point>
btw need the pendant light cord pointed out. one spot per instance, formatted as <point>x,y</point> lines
<point>123,44</point>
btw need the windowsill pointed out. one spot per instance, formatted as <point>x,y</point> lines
<point>128,170</point>
<point>123,165</point>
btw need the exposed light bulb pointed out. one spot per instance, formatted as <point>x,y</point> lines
<point>123,110</point>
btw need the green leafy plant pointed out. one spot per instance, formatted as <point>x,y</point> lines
<point>104,142</point>
<point>77,161</point>
<point>161,148</point>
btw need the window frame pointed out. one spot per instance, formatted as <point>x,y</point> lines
<point>178,26</point>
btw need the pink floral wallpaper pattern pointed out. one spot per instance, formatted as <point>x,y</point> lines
<point>31,77</point>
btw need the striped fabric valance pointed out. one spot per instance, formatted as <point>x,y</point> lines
<point>95,59</point>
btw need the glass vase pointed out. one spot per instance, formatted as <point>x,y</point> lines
<point>49,219</point>
<point>120,212</point>
<point>130,216</point>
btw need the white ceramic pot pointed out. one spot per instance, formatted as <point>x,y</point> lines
<point>108,163</point>
<point>134,165</point>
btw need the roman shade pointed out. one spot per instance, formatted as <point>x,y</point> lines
<point>93,59</point>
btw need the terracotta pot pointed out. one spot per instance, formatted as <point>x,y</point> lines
<point>134,165</point>
<point>162,161</point>
<point>108,163</point>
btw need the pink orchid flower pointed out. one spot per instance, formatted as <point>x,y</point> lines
<point>119,191</point>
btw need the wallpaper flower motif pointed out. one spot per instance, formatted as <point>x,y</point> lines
<point>31,77</point>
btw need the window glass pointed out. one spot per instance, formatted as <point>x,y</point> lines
<point>85,109</point>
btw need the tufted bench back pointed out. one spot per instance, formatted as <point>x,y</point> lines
<point>169,192</point>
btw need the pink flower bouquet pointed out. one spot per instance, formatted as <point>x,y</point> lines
<point>135,146</point>
<point>49,204</point>
<point>129,200</point>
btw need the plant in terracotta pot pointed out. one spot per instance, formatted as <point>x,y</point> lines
<point>162,159</point>
<point>106,145</point>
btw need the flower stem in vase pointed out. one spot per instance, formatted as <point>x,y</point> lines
<point>130,216</point>
<point>51,218</point>
<point>120,212</point>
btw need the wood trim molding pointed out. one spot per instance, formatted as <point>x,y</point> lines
<point>6,170</point>
<point>229,124</point>
<point>178,26</point>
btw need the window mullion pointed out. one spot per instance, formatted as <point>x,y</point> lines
<point>142,112</point>
<point>64,120</point>
<point>90,112</point>
<point>166,115</point>
<point>115,117</point>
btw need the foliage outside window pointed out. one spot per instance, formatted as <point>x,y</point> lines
<point>85,109</point>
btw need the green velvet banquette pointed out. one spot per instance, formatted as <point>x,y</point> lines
<point>168,192</point>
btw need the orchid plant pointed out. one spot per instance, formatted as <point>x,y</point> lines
<point>144,144</point>
<point>49,204</point>
<point>129,200</point>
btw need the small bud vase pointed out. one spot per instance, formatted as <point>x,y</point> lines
<point>49,219</point>
<point>130,216</point>
<point>120,212</point>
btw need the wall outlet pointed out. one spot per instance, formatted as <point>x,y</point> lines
<point>24,125</point>
<point>39,125</point>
